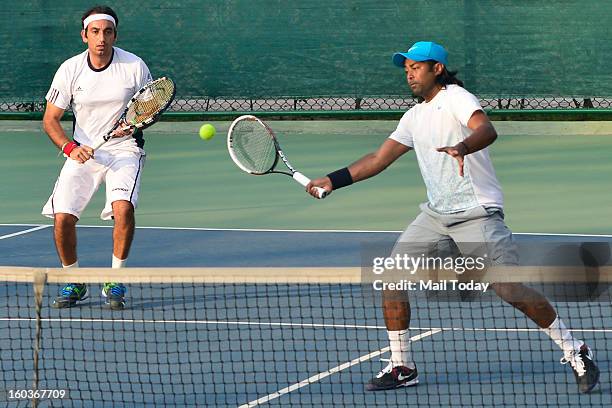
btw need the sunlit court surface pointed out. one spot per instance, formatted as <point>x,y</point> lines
<point>244,290</point>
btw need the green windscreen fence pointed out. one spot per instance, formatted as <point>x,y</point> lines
<point>331,55</point>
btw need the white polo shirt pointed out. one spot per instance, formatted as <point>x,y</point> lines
<point>443,122</point>
<point>98,96</point>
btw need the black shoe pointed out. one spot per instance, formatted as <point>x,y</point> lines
<point>393,377</point>
<point>585,370</point>
<point>70,295</point>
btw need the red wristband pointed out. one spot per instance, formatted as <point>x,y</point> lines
<point>69,147</point>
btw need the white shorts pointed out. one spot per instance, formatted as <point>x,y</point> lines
<point>77,183</point>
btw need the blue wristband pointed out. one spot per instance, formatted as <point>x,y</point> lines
<point>341,178</point>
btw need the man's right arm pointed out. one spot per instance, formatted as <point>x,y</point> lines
<point>368,166</point>
<point>53,128</point>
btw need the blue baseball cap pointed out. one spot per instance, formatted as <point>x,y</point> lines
<point>422,51</point>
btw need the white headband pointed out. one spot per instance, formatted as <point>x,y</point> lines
<point>95,17</point>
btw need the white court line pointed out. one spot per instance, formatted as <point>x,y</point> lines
<point>547,234</point>
<point>24,232</point>
<point>304,230</point>
<point>23,225</point>
<point>322,375</point>
<point>252,229</point>
<point>281,324</point>
<point>226,229</point>
<point>196,322</point>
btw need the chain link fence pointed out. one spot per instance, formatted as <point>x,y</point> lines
<point>347,104</point>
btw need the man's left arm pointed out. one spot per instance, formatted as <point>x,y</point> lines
<point>482,136</point>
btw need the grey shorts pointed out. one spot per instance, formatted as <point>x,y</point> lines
<point>475,232</point>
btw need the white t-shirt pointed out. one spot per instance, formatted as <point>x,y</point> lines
<point>98,96</point>
<point>443,122</point>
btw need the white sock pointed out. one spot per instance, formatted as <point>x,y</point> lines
<point>562,336</point>
<point>400,348</point>
<point>74,265</point>
<point>118,263</point>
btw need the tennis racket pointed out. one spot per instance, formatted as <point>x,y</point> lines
<point>254,148</point>
<point>145,107</point>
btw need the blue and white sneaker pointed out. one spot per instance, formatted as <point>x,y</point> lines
<point>114,295</point>
<point>70,295</point>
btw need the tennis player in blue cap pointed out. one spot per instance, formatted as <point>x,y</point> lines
<point>422,51</point>
<point>450,134</point>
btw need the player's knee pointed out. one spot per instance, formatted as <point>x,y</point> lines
<point>123,210</point>
<point>64,220</point>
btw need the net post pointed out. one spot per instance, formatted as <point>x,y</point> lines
<point>39,281</point>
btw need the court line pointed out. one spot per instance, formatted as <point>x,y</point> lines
<point>550,234</point>
<point>254,229</point>
<point>196,322</point>
<point>282,324</point>
<point>23,225</point>
<point>40,227</point>
<point>327,373</point>
<point>300,230</point>
<point>221,229</point>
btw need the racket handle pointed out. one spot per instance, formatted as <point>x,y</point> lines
<point>303,180</point>
<point>119,125</point>
<point>104,140</point>
<point>96,147</point>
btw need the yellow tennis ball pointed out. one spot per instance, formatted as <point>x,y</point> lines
<point>207,131</point>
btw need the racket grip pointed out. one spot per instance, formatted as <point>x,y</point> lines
<point>303,180</point>
<point>96,147</point>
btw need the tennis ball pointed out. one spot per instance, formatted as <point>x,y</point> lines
<point>207,131</point>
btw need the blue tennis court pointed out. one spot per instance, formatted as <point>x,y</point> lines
<point>313,344</point>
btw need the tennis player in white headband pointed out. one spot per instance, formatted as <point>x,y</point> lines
<point>94,17</point>
<point>96,84</point>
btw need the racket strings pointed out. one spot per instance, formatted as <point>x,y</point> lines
<point>151,101</point>
<point>253,146</point>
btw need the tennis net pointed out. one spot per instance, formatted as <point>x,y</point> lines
<point>278,336</point>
